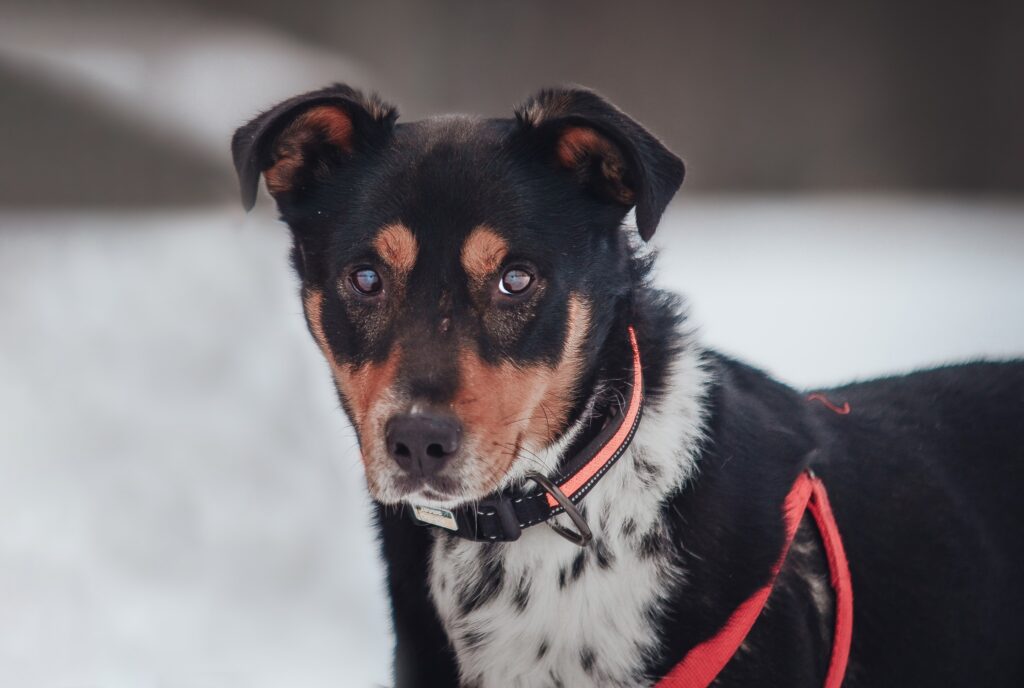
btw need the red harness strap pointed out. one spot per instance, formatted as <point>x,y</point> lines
<point>704,662</point>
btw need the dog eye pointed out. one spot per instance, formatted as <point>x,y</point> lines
<point>366,281</point>
<point>515,281</point>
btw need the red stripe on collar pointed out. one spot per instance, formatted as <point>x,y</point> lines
<point>704,662</point>
<point>581,477</point>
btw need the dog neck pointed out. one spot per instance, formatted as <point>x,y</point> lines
<point>490,597</point>
<point>665,346</point>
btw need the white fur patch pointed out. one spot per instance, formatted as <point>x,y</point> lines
<point>555,614</point>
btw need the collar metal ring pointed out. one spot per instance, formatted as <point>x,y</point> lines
<point>582,535</point>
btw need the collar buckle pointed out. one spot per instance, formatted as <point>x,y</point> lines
<point>505,513</point>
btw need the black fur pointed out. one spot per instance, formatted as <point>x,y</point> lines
<point>924,474</point>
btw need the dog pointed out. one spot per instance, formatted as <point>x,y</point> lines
<point>570,490</point>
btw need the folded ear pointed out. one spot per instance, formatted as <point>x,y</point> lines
<point>306,136</point>
<point>607,151</point>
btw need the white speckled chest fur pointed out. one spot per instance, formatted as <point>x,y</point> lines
<point>543,612</point>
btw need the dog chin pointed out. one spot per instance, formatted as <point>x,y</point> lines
<point>442,499</point>
<point>433,499</point>
<point>450,497</point>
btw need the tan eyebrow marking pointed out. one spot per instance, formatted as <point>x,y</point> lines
<point>397,247</point>
<point>483,253</point>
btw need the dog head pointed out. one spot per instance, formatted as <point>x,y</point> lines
<point>460,275</point>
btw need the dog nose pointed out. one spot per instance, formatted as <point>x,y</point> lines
<point>422,443</point>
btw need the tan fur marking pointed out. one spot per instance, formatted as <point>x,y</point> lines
<point>483,253</point>
<point>312,303</point>
<point>577,143</point>
<point>506,406</point>
<point>561,386</point>
<point>328,121</point>
<point>365,388</point>
<point>334,122</point>
<point>397,247</point>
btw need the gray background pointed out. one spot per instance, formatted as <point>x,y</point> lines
<point>758,96</point>
<point>181,501</point>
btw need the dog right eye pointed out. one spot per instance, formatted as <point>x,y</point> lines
<point>365,281</point>
<point>515,281</point>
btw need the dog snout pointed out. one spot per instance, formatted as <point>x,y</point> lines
<point>422,443</point>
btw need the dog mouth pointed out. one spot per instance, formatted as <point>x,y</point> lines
<point>472,478</point>
<point>433,488</point>
<point>445,494</point>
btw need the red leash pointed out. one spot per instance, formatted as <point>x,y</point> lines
<point>704,662</point>
<point>843,410</point>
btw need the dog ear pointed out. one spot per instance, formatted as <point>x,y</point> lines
<point>607,151</point>
<point>303,137</point>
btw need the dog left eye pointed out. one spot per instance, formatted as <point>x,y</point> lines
<point>366,281</point>
<point>515,281</point>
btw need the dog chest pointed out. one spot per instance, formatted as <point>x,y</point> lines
<point>541,611</point>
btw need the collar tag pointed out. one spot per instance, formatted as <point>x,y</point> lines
<point>434,516</point>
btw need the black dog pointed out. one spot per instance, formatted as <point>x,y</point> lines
<point>499,349</point>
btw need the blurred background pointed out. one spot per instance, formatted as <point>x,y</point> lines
<point>181,502</point>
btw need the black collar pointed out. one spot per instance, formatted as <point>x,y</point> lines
<point>501,517</point>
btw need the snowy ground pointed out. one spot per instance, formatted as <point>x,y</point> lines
<point>180,502</point>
